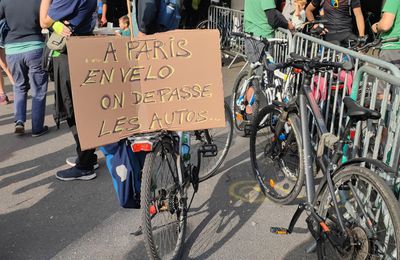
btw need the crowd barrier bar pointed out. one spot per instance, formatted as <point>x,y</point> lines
<point>389,109</point>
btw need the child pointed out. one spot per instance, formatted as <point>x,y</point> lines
<point>299,15</point>
<point>124,25</point>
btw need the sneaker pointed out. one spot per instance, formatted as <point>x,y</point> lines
<point>74,173</point>
<point>44,130</point>
<point>19,128</point>
<point>71,161</point>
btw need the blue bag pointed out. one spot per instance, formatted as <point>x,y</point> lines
<point>169,16</point>
<point>125,168</point>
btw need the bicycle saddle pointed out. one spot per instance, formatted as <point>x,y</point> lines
<point>359,113</point>
<point>297,57</point>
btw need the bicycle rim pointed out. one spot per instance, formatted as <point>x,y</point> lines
<point>222,138</point>
<point>280,175</point>
<point>163,204</point>
<point>370,212</point>
<point>240,117</point>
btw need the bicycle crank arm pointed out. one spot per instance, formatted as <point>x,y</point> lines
<point>295,218</point>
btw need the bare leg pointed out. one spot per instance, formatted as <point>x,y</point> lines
<point>3,65</point>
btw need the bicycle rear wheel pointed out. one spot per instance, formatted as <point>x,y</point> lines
<point>242,105</point>
<point>221,138</point>
<point>370,212</point>
<point>163,204</point>
<point>277,165</point>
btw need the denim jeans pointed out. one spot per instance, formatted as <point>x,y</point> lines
<point>27,72</point>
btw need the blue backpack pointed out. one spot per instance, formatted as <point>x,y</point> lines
<point>125,168</point>
<point>169,16</point>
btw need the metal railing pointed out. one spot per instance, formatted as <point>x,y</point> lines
<point>376,85</point>
<point>227,21</point>
<point>380,139</point>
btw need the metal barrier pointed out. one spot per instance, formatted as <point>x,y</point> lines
<point>330,88</point>
<point>227,21</point>
<point>281,52</point>
<point>380,139</point>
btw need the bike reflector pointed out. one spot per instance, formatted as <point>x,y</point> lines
<point>145,146</point>
<point>296,70</point>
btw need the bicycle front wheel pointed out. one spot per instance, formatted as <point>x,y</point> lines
<point>245,102</point>
<point>278,165</point>
<point>163,204</point>
<point>370,212</point>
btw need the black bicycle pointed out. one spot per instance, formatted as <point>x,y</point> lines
<point>176,161</point>
<point>353,214</point>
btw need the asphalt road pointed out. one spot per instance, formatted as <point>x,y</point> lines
<point>43,218</point>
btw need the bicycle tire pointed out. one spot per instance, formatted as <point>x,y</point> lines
<point>341,182</point>
<point>209,165</point>
<point>152,187</point>
<point>239,119</point>
<point>280,184</point>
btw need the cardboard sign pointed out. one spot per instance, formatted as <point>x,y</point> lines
<point>169,81</point>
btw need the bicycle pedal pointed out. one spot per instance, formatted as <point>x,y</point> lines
<point>194,178</point>
<point>209,150</point>
<point>279,231</point>
<point>247,129</point>
<point>138,232</point>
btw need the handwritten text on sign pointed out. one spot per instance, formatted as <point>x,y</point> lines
<point>167,81</point>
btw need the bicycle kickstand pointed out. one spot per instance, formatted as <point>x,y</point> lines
<point>295,218</point>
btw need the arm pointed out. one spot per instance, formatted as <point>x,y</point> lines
<point>309,12</point>
<point>276,19</point>
<point>385,24</point>
<point>104,14</point>
<point>360,21</point>
<point>45,20</point>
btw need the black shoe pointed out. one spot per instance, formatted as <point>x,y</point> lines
<point>19,128</point>
<point>74,173</point>
<point>45,129</point>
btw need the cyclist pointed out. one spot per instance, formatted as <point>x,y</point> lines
<point>389,27</point>
<point>338,14</point>
<point>261,18</point>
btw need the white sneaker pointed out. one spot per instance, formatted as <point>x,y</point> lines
<point>71,161</point>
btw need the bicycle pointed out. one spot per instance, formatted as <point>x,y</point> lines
<point>248,85</point>
<point>346,214</point>
<point>167,174</point>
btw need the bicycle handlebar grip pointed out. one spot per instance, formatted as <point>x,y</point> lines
<point>392,39</point>
<point>238,34</point>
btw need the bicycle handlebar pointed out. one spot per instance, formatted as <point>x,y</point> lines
<point>261,39</point>
<point>300,62</point>
<point>377,43</point>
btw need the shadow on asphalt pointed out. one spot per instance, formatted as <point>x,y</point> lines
<point>299,251</point>
<point>227,210</point>
<point>222,215</point>
<point>54,214</point>
<point>8,118</point>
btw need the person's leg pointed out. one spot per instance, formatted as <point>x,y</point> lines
<point>3,65</point>
<point>83,170</point>
<point>20,74</point>
<point>38,81</point>
<point>86,159</point>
